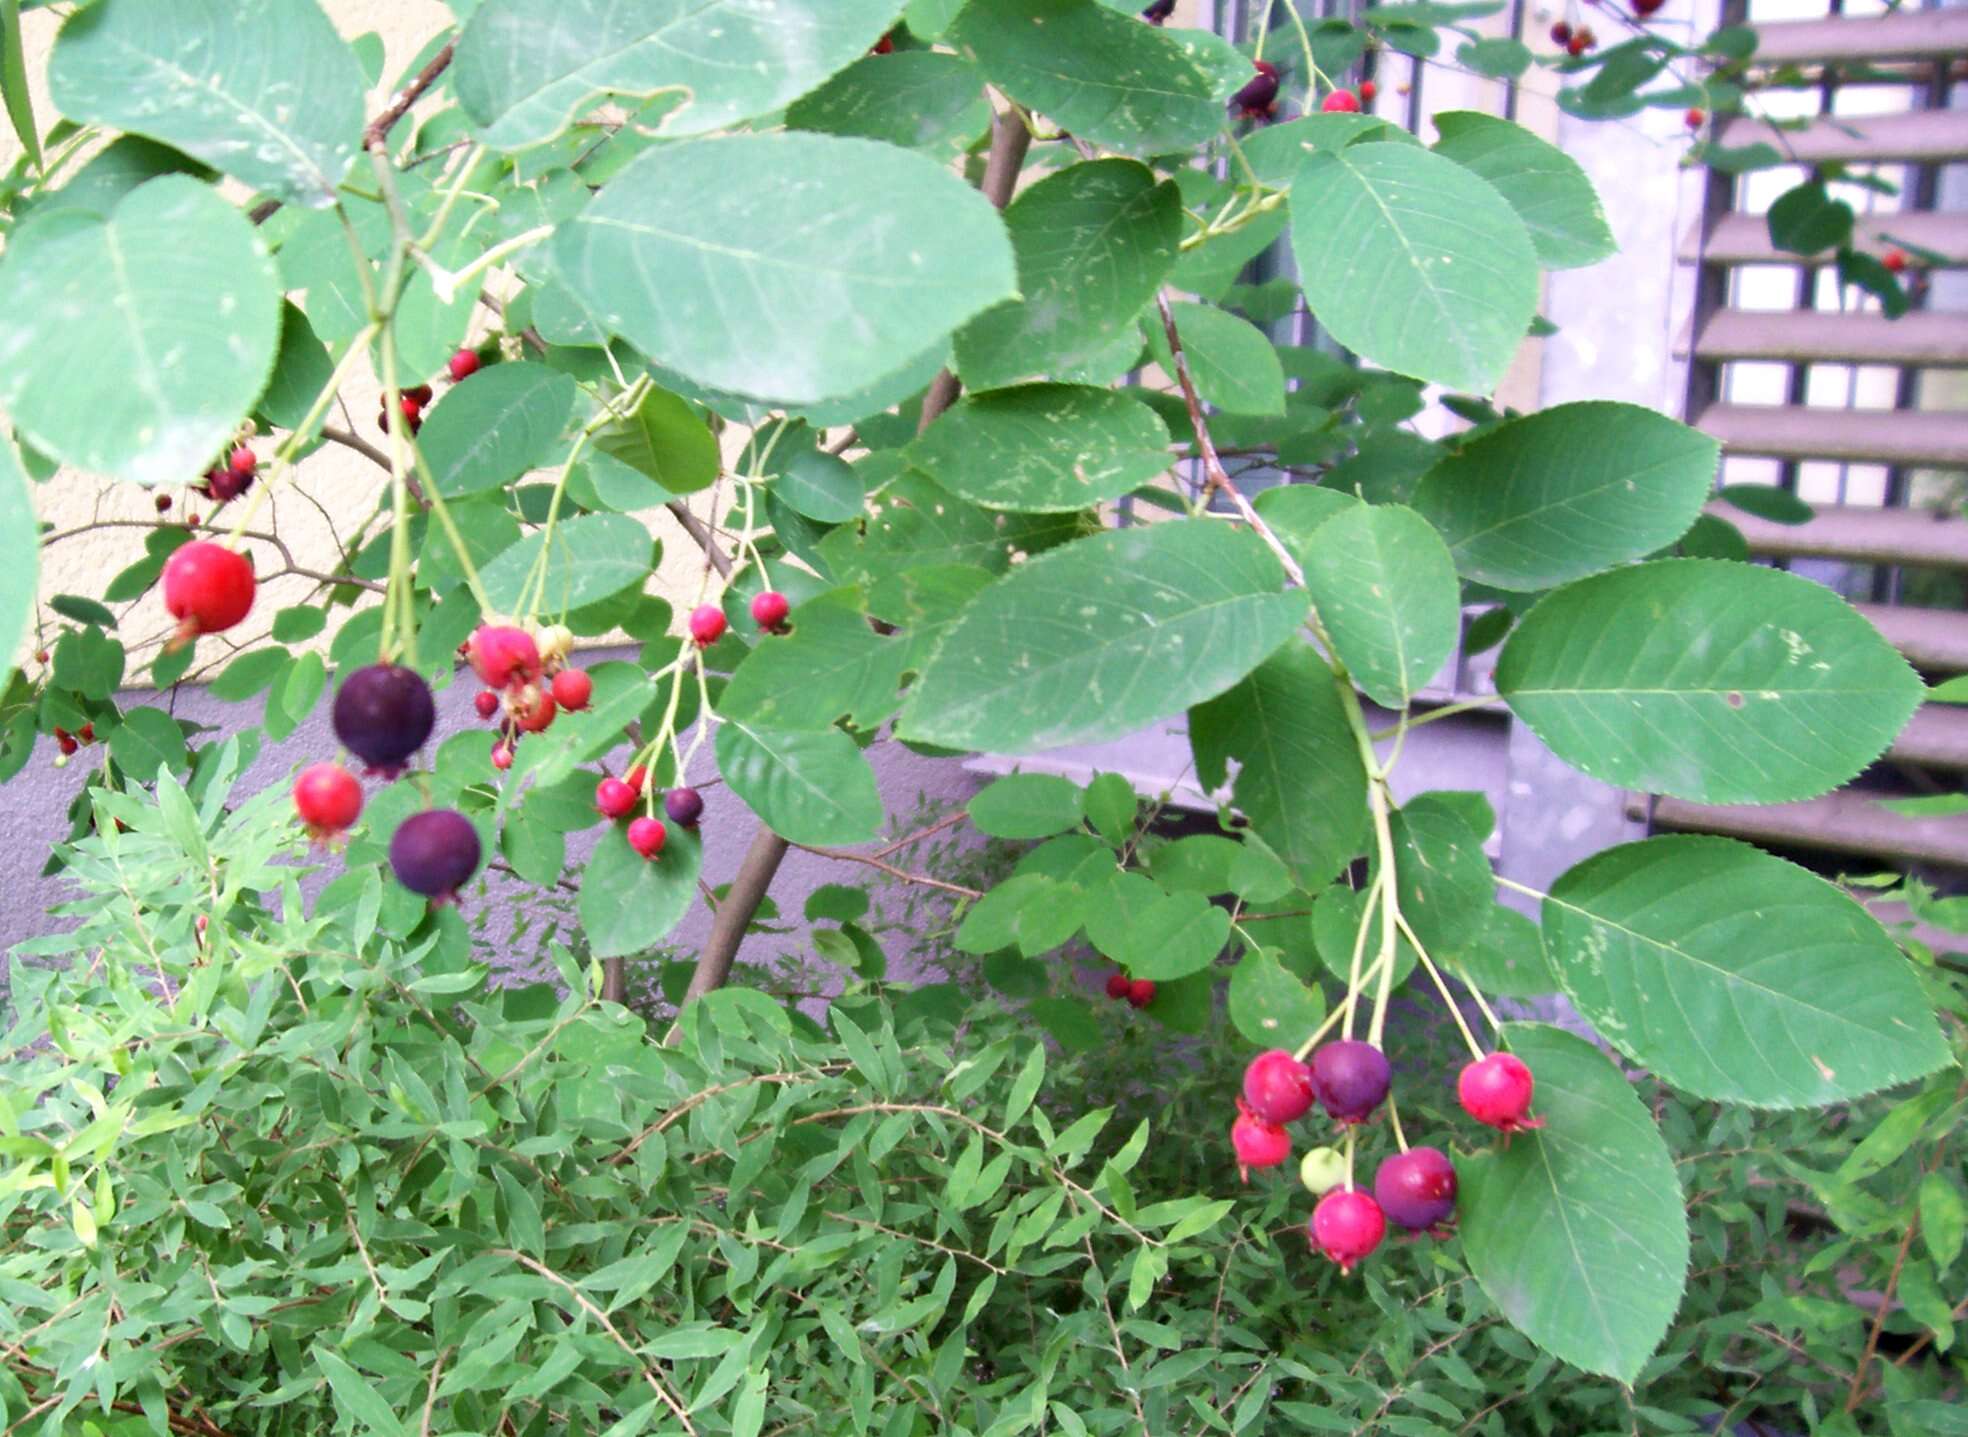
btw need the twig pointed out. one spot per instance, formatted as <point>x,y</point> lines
<point>741,902</point>
<point>350,440</point>
<point>699,532</point>
<point>902,874</point>
<point>376,137</point>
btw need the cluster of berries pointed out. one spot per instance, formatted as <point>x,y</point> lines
<point>461,366</point>
<point>1415,1187</point>
<point>68,742</point>
<point>1138,992</point>
<point>770,610</point>
<point>1575,41</point>
<point>223,483</point>
<point>616,798</point>
<point>527,680</point>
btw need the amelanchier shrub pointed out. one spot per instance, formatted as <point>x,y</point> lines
<point>267,1165</point>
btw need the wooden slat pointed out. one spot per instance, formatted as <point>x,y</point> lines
<point>1935,737</point>
<point>1866,536</point>
<point>1907,35</point>
<point>1924,338</point>
<point>1932,639</point>
<point>1927,136</point>
<point>1745,238</point>
<point>1849,821</point>
<point>1917,439</point>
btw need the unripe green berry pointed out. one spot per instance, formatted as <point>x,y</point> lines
<point>1322,1170</point>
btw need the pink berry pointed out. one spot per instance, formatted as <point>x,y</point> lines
<point>207,587</point>
<point>637,778</point>
<point>538,714</point>
<point>572,688</point>
<point>707,625</point>
<point>487,703</point>
<point>502,656</point>
<point>463,365</point>
<point>1341,102</point>
<point>1258,1144</point>
<point>769,609</point>
<point>1118,985</point>
<point>328,798</point>
<point>1367,91</point>
<point>614,798</point>
<point>1497,1091</point>
<point>1278,1087</point>
<point>1695,118</point>
<point>1141,992</point>
<point>1417,1188</point>
<point>1894,260</point>
<point>243,461</point>
<point>502,755</point>
<point>1346,1226</point>
<point>1352,1078</point>
<point>646,836</point>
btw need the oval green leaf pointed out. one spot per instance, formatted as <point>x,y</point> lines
<point>665,440</point>
<point>1736,975</point>
<point>1707,680</point>
<point>1096,638</point>
<point>1043,448</point>
<point>1234,365</point>
<point>1386,590</point>
<point>628,903</point>
<point>592,557</point>
<point>494,427</point>
<point>917,99</point>
<point>1269,1006</point>
<point>1028,805</point>
<point>1547,188</point>
<point>836,263</point>
<point>810,787</point>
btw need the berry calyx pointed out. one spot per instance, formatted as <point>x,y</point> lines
<point>502,755</point>
<point>685,806</point>
<point>1258,1144</point>
<point>207,588</point>
<point>646,836</point>
<point>463,365</point>
<point>1118,984</point>
<point>243,462</point>
<point>1322,1170</point>
<point>614,798</point>
<point>1894,259</point>
<point>706,624</point>
<point>503,656</point>
<point>382,715</point>
<point>1141,992</point>
<point>572,688</point>
<point>1695,118</point>
<point>1352,1078</point>
<point>328,799</point>
<point>1341,102</point>
<point>1346,1226</point>
<point>487,703</point>
<point>435,853</point>
<point>1497,1091</point>
<point>769,609</point>
<point>1417,1188</point>
<point>1278,1088</point>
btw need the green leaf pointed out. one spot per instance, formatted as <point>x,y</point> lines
<point>1386,590</point>
<point>13,81</point>
<point>666,440</point>
<point>82,610</point>
<point>1269,1006</point>
<point>1163,936</point>
<point>87,662</point>
<point>1096,638</point>
<point>1103,75</point>
<point>1233,364</point>
<point>1547,188</point>
<point>1299,778</point>
<point>1336,929</point>
<point>1707,680</point>
<point>249,673</point>
<point>1385,236</point>
<point>1807,220</point>
<point>1278,152</point>
<point>1566,492</point>
<point>1045,448</point>
<point>1503,955</point>
<point>301,370</point>
<point>1498,57</point>
<point>1443,876</point>
<point>629,904</point>
<point>822,486</point>
<point>501,422</point>
<point>1576,1230</point>
<point>782,288</point>
<point>917,99</point>
<point>592,557</point>
<point>146,741</point>
<point>1028,805</point>
<point>303,621</point>
<point>1093,242</point>
<point>1029,912</point>
<point>357,1395</point>
<point>525,68</point>
<point>266,93</point>
<point>1943,1216</point>
<point>112,172</point>
<point>1737,976</point>
<point>20,534</point>
<point>487,529</point>
<point>1767,501</point>
<point>832,665</point>
<point>177,339</point>
<point>807,787</point>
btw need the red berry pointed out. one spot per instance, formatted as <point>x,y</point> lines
<point>646,836</point>
<point>1695,118</point>
<point>572,688</point>
<point>1352,1078</point>
<point>1341,102</point>
<point>463,365</point>
<point>163,503</point>
<point>383,714</point>
<point>769,609</point>
<point>1895,260</point>
<point>41,656</point>
<point>1561,34</point>
<point>487,703</point>
<point>1141,992</point>
<point>1118,985</point>
<point>1346,1226</point>
<point>208,587</point>
<point>1367,91</point>
<point>412,411</point>
<point>637,778</point>
<point>87,733</point>
<point>435,853</point>
<point>539,713</point>
<point>66,744</point>
<point>1278,1087</point>
<point>614,797</point>
<point>684,806</point>
<point>502,755</point>
<point>884,46</point>
<point>1259,1144</point>
<point>706,624</point>
<point>1644,8</point>
<point>503,656</point>
<point>328,798</point>
<point>1417,1188</point>
<point>244,462</point>
<point>1576,45</point>
<point>422,394</point>
<point>1497,1091</point>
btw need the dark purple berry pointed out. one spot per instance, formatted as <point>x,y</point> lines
<point>1417,1188</point>
<point>383,714</point>
<point>1351,1077</point>
<point>435,853</point>
<point>684,806</point>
